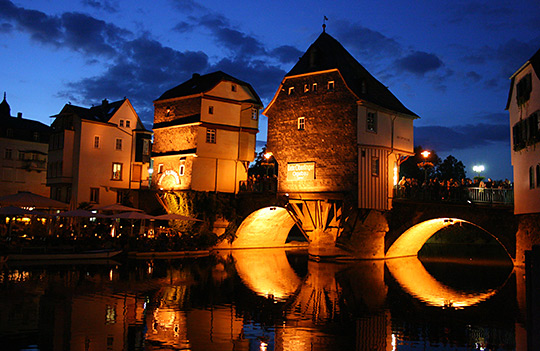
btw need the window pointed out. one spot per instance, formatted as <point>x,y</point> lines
<point>291,90</point>
<point>118,144</point>
<point>314,87</point>
<point>523,90</point>
<point>210,136</point>
<point>8,154</point>
<point>94,195</point>
<point>233,87</point>
<point>538,176</point>
<point>119,196</point>
<point>121,123</point>
<point>167,111</point>
<point>128,123</point>
<point>116,171</point>
<point>375,166</point>
<point>306,88</point>
<point>35,136</point>
<point>371,122</point>
<point>146,147</point>
<point>21,155</point>
<point>330,85</point>
<point>254,113</point>
<point>301,123</point>
<point>160,168</point>
<point>9,133</point>
<point>96,142</point>
<point>181,170</point>
<point>210,110</point>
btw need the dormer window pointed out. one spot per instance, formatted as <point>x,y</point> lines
<point>330,85</point>
<point>371,122</point>
<point>291,90</point>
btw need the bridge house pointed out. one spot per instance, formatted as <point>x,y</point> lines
<point>204,134</point>
<point>336,130</point>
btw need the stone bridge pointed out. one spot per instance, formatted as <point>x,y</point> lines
<point>335,232</point>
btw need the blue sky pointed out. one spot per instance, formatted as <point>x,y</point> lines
<point>448,61</point>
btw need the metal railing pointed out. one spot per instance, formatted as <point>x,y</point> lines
<point>494,196</point>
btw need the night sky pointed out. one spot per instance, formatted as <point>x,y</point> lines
<point>447,61</point>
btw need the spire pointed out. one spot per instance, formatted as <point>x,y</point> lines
<point>5,110</point>
<point>324,24</point>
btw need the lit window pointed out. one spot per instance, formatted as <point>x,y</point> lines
<point>94,195</point>
<point>371,122</point>
<point>117,171</point>
<point>118,144</point>
<point>330,85</point>
<point>233,87</point>
<point>291,90</point>
<point>306,88</point>
<point>96,142</point>
<point>121,123</point>
<point>167,111</point>
<point>8,154</point>
<point>181,170</point>
<point>375,166</point>
<point>254,113</point>
<point>128,123</point>
<point>211,136</point>
<point>314,87</point>
<point>301,123</point>
<point>210,110</point>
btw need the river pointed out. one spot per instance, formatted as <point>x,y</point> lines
<point>266,299</point>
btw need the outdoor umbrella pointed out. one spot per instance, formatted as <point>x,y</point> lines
<point>28,199</point>
<point>117,208</point>
<point>81,213</point>
<point>13,211</point>
<point>132,216</point>
<point>174,216</point>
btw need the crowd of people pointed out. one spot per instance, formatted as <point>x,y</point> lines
<point>449,190</point>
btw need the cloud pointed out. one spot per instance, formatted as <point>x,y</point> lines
<point>286,54</point>
<point>444,139</point>
<point>365,41</point>
<point>105,5</point>
<point>473,76</point>
<point>419,63</point>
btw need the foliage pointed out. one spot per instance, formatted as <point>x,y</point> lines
<point>451,168</point>
<point>261,166</point>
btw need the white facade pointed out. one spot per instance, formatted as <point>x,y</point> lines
<point>97,160</point>
<point>524,109</point>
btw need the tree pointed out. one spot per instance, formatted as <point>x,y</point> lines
<point>262,165</point>
<point>413,167</point>
<point>451,168</point>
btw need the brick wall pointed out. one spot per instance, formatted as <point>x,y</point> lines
<point>329,138</point>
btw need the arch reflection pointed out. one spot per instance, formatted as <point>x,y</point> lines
<point>412,276</point>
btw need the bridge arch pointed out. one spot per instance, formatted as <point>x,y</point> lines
<point>266,227</point>
<point>412,240</point>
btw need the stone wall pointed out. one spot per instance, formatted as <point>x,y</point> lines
<point>527,236</point>
<point>329,138</point>
<point>174,139</point>
<point>178,108</point>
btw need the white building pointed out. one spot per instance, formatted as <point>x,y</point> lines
<point>98,154</point>
<point>524,108</point>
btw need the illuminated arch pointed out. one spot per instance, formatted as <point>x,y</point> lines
<point>412,240</point>
<point>169,179</point>
<point>267,227</point>
<point>416,280</point>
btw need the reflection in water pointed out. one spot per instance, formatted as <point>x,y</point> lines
<point>251,300</point>
<point>415,279</point>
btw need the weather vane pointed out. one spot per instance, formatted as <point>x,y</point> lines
<point>324,23</point>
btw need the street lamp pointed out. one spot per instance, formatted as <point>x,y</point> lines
<point>478,169</point>
<point>426,154</point>
<point>267,156</point>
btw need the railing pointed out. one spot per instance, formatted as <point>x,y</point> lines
<point>458,195</point>
<point>259,185</point>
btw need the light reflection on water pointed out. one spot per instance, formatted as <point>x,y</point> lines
<point>258,300</point>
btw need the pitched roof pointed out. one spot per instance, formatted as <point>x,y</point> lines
<point>535,63</point>
<point>100,113</point>
<point>327,53</point>
<point>200,84</point>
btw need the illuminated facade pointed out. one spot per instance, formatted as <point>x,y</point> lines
<point>336,131</point>
<point>98,154</point>
<point>23,162</point>
<point>524,108</point>
<point>204,134</point>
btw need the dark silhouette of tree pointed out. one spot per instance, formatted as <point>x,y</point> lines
<point>418,166</point>
<point>263,166</point>
<point>451,168</point>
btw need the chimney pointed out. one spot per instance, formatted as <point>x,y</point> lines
<point>104,102</point>
<point>19,114</point>
<point>195,76</point>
